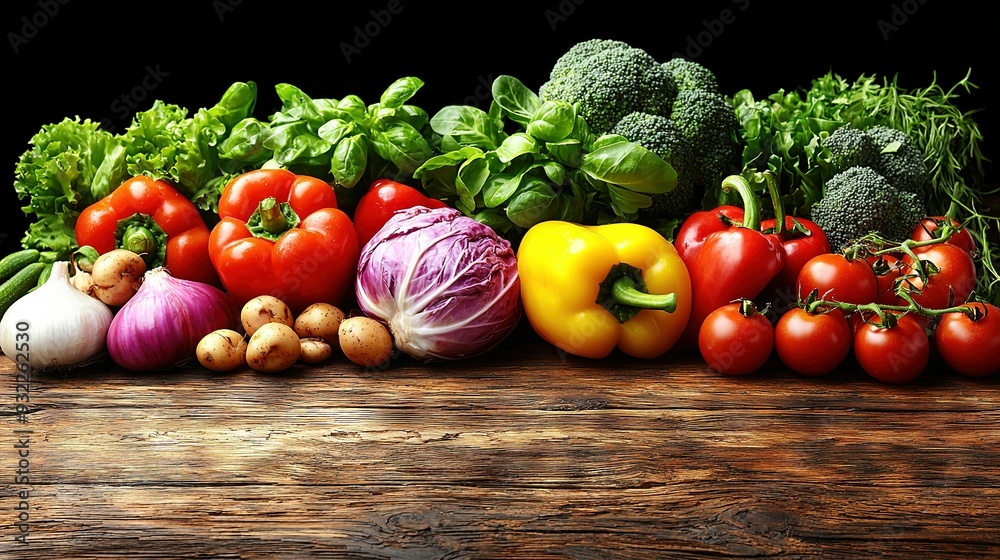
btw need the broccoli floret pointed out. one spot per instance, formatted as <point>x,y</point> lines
<point>662,137</point>
<point>850,147</point>
<point>609,79</point>
<point>574,57</point>
<point>711,127</point>
<point>858,201</point>
<point>689,75</point>
<point>900,160</point>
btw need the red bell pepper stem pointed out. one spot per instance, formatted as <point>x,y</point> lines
<point>271,218</point>
<point>751,208</point>
<point>775,194</point>
<point>138,237</point>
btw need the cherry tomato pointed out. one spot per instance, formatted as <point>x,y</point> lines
<point>970,347</point>
<point>812,343</point>
<point>893,355</point>
<point>952,283</point>
<point>892,268</point>
<point>736,339</point>
<point>930,227</point>
<point>383,198</point>
<point>839,279</point>
<point>858,319</point>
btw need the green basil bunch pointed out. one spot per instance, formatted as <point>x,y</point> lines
<point>344,141</point>
<point>526,161</point>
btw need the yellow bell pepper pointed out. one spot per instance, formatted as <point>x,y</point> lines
<point>591,289</point>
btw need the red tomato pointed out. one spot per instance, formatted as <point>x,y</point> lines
<point>839,279</point>
<point>957,275</point>
<point>383,198</point>
<point>893,355</point>
<point>929,228</point>
<point>736,341</point>
<point>970,347</point>
<point>812,343</point>
<point>857,320</point>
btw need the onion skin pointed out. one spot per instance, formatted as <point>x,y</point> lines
<point>163,322</point>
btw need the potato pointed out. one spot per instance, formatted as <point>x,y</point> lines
<point>273,347</point>
<point>320,320</point>
<point>262,310</point>
<point>116,276</point>
<point>222,350</point>
<point>85,283</point>
<point>365,341</point>
<point>314,350</point>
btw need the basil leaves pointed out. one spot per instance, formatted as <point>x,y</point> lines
<point>526,161</point>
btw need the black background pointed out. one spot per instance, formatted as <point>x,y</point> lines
<point>82,59</point>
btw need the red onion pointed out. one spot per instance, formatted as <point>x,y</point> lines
<point>160,326</point>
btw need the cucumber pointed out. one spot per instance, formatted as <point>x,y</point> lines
<point>43,277</point>
<point>19,284</point>
<point>14,262</point>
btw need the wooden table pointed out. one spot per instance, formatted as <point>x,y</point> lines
<point>523,453</point>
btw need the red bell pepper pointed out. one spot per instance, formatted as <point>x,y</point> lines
<point>699,225</point>
<point>735,262</point>
<point>383,198</point>
<point>152,218</point>
<point>281,234</point>
<point>801,240</point>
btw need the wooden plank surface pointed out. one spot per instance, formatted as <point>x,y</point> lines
<point>523,453</point>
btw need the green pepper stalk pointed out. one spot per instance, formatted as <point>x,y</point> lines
<point>141,234</point>
<point>272,219</point>
<point>623,293</point>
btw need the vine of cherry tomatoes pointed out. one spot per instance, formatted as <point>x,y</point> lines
<point>893,311</point>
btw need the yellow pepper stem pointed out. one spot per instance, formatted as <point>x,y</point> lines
<point>623,294</point>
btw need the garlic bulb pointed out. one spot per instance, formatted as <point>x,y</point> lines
<point>56,325</point>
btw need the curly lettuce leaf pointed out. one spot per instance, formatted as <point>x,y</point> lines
<point>163,142</point>
<point>70,165</point>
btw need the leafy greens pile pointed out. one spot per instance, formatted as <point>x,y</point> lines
<point>343,141</point>
<point>784,132</point>
<point>526,161</point>
<point>74,163</point>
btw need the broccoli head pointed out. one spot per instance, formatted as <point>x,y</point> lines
<point>850,147</point>
<point>574,57</point>
<point>608,80</point>
<point>689,75</point>
<point>711,127</point>
<point>900,160</point>
<point>858,201</point>
<point>662,137</point>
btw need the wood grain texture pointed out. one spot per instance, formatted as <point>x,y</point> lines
<point>523,453</point>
